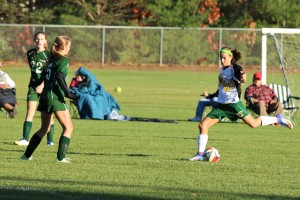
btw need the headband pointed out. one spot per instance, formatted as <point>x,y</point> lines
<point>226,51</point>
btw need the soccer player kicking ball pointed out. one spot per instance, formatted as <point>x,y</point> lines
<point>230,106</point>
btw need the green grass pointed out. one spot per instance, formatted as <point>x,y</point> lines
<point>145,160</point>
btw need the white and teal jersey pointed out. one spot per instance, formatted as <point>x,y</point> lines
<point>227,89</point>
<point>37,62</point>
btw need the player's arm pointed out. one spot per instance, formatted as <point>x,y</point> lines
<point>60,77</point>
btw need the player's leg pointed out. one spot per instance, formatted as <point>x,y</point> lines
<point>50,134</point>
<point>38,136</point>
<point>27,125</point>
<point>202,139</point>
<point>267,120</point>
<point>64,118</point>
<point>32,101</point>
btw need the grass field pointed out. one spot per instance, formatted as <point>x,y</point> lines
<point>146,160</point>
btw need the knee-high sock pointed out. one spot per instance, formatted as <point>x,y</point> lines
<point>63,147</point>
<point>26,129</point>
<point>202,141</point>
<point>50,133</point>
<point>33,144</point>
<point>267,120</point>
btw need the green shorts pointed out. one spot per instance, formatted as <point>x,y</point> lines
<point>32,95</point>
<point>232,111</point>
<point>51,105</point>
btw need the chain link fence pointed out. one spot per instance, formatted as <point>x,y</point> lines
<point>136,45</point>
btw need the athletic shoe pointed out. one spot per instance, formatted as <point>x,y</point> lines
<point>284,121</point>
<point>64,160</point>
<point>22,142</point>
<point>23,157</point>
<point>197,157</point>
<point>50,143</point>
<point>195,119</point>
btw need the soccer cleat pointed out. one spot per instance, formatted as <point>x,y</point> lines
<point>23,157</point>
<point>22,142</point>
<point>195,119</point>
<point>64,160</point>
<point>197,157</point>
<point>50,143</point>
<point>284,121</point>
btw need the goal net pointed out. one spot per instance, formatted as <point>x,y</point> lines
<point>281,68</point>
<point>281,58</point>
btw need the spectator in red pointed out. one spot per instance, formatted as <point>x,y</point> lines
<point>261,98</point>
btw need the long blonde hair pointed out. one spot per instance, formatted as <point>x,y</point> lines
<point>58,46</point>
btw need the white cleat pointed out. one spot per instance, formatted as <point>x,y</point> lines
<point>64,160</point>
<point>22,142</point>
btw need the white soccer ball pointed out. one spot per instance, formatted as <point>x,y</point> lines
<point>211,154</point>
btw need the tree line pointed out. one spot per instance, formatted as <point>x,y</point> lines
<point>163,13</point>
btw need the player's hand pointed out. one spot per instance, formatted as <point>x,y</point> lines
<point>72,95</point>
<point>38,89</point>
<point>205,94</point>
<point>243,77</point>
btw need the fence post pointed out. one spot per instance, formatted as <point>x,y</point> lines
<point>161,46</point>
<point>103,46</point>
<point>220,43</point>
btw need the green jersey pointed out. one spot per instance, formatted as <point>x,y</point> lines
<point>52,89</point>
<point>37,63</point>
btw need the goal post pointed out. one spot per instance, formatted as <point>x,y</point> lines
<point>270,32</point>
<point>280,56</point>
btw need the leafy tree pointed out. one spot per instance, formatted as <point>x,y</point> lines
<point>175,13</point>
<point>258,14</point>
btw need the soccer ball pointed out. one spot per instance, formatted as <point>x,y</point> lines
<point>211,154</point>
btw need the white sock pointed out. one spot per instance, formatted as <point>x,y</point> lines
<point>267,120</point>
<point>202,141</point>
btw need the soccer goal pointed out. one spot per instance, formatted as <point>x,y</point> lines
<point>281,59</point>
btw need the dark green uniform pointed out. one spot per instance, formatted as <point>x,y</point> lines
<point>52,97</point>
<point>37,63</point>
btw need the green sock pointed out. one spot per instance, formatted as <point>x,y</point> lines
<point>63,147</point>
<point>50,133</point>
<point>26,129</point>
<point>33,144</point>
